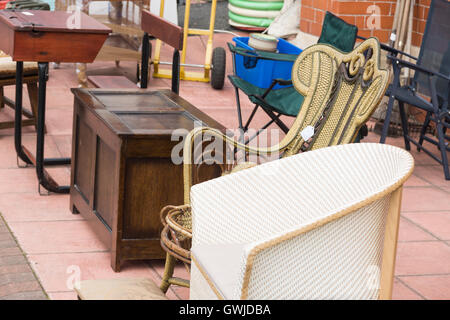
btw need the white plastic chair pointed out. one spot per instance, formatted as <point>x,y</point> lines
<point>318,225</point>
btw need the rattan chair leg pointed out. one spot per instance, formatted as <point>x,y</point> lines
<point>168,273</point>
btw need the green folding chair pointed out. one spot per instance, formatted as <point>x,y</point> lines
<point>281,98</point>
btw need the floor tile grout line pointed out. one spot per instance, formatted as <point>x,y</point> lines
<point>14,265</point>
<point>422,228</point>
<point>60,252</point>
<point>423,275</point>
<point>433,184</point>
<point>38,221</point>
<point>423,211</point>
<point>410,288</point>
<point>412,241</point>
<point>160,278</point>
<point>24,256</point>
<point>26,291</point>
<point>57,147</point>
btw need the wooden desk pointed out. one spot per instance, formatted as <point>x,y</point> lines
<point>122,169</point>
<point>46,36</point>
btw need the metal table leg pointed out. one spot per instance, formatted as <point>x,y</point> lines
<point>44,178</point>
<point>144,63</point>
<point>18,115</point>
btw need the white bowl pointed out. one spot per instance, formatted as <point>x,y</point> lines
<point>263,42</point>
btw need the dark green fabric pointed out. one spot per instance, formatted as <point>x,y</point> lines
<point>27,4</point>
<point>338,33</point>
<point>285,100</point>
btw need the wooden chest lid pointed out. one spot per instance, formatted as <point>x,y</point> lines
<point>141,112</point>
<point>55,21</point>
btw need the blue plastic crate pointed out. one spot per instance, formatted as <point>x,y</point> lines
<point>263,73</point>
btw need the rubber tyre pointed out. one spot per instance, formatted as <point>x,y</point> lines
<point>219,60</point>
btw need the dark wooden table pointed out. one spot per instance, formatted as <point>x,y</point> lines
<point>46,36</point>
<point>123,172</point>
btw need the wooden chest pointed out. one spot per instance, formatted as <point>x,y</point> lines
<point>122,171</point>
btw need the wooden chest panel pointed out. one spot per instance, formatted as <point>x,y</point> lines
<point>123,173</point>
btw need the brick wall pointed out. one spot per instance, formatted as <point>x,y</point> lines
<point>363,14</point>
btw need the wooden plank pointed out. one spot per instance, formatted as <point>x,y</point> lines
<point>112,82</point>
<point>390,245</point>
<point>163,30</point>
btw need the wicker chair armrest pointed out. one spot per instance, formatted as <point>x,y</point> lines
<point>189,146</point>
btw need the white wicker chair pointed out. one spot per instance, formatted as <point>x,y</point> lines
<point>318,225</point>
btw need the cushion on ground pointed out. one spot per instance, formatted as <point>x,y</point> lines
<point>119,289</point>
<point>8,68</point>
<point>223,263</point>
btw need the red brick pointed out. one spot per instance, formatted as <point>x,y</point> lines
<point>316,29</point>
<point>351,7</point>
<point>415,25</point>
<point>308,13</point>
<point>416,39</point>
<point>386,22</point>
<point>307,3</point>
<point>418,12</point>
<point>382,35</point>
<point>322,4</point>
<point>421,26</point>
<point>13,251</point>
<point>304,25</point>
<point>360,22</point>
<point>348,19</point>
<point>365,33</point>
<point>17,287</point>
<point>319,15</point>
<point>425,12</point>
<point>425,2</point>
<point>20,268</point>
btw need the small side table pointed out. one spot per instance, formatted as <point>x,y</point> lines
<point>46,36</point>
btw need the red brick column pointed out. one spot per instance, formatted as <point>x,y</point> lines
<point>364,14</point>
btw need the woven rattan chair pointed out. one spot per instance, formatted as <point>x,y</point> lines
<point>341,91</point>
<point>8,78</point>
<point>318,225</point>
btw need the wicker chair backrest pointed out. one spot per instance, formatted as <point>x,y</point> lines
<point>342,89</point>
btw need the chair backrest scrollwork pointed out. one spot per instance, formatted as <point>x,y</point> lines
<point>341,92</point>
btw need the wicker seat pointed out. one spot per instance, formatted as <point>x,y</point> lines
<point>331,233</point>
<point>8,78</point>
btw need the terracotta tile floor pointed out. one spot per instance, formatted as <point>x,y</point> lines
<point>60,246</point>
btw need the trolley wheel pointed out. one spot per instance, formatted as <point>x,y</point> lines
<point>218,68</point>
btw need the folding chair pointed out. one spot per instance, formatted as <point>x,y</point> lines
<point>431,78</point>
<point>281,98</point>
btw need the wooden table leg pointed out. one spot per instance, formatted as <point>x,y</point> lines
<point>81,74</point>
